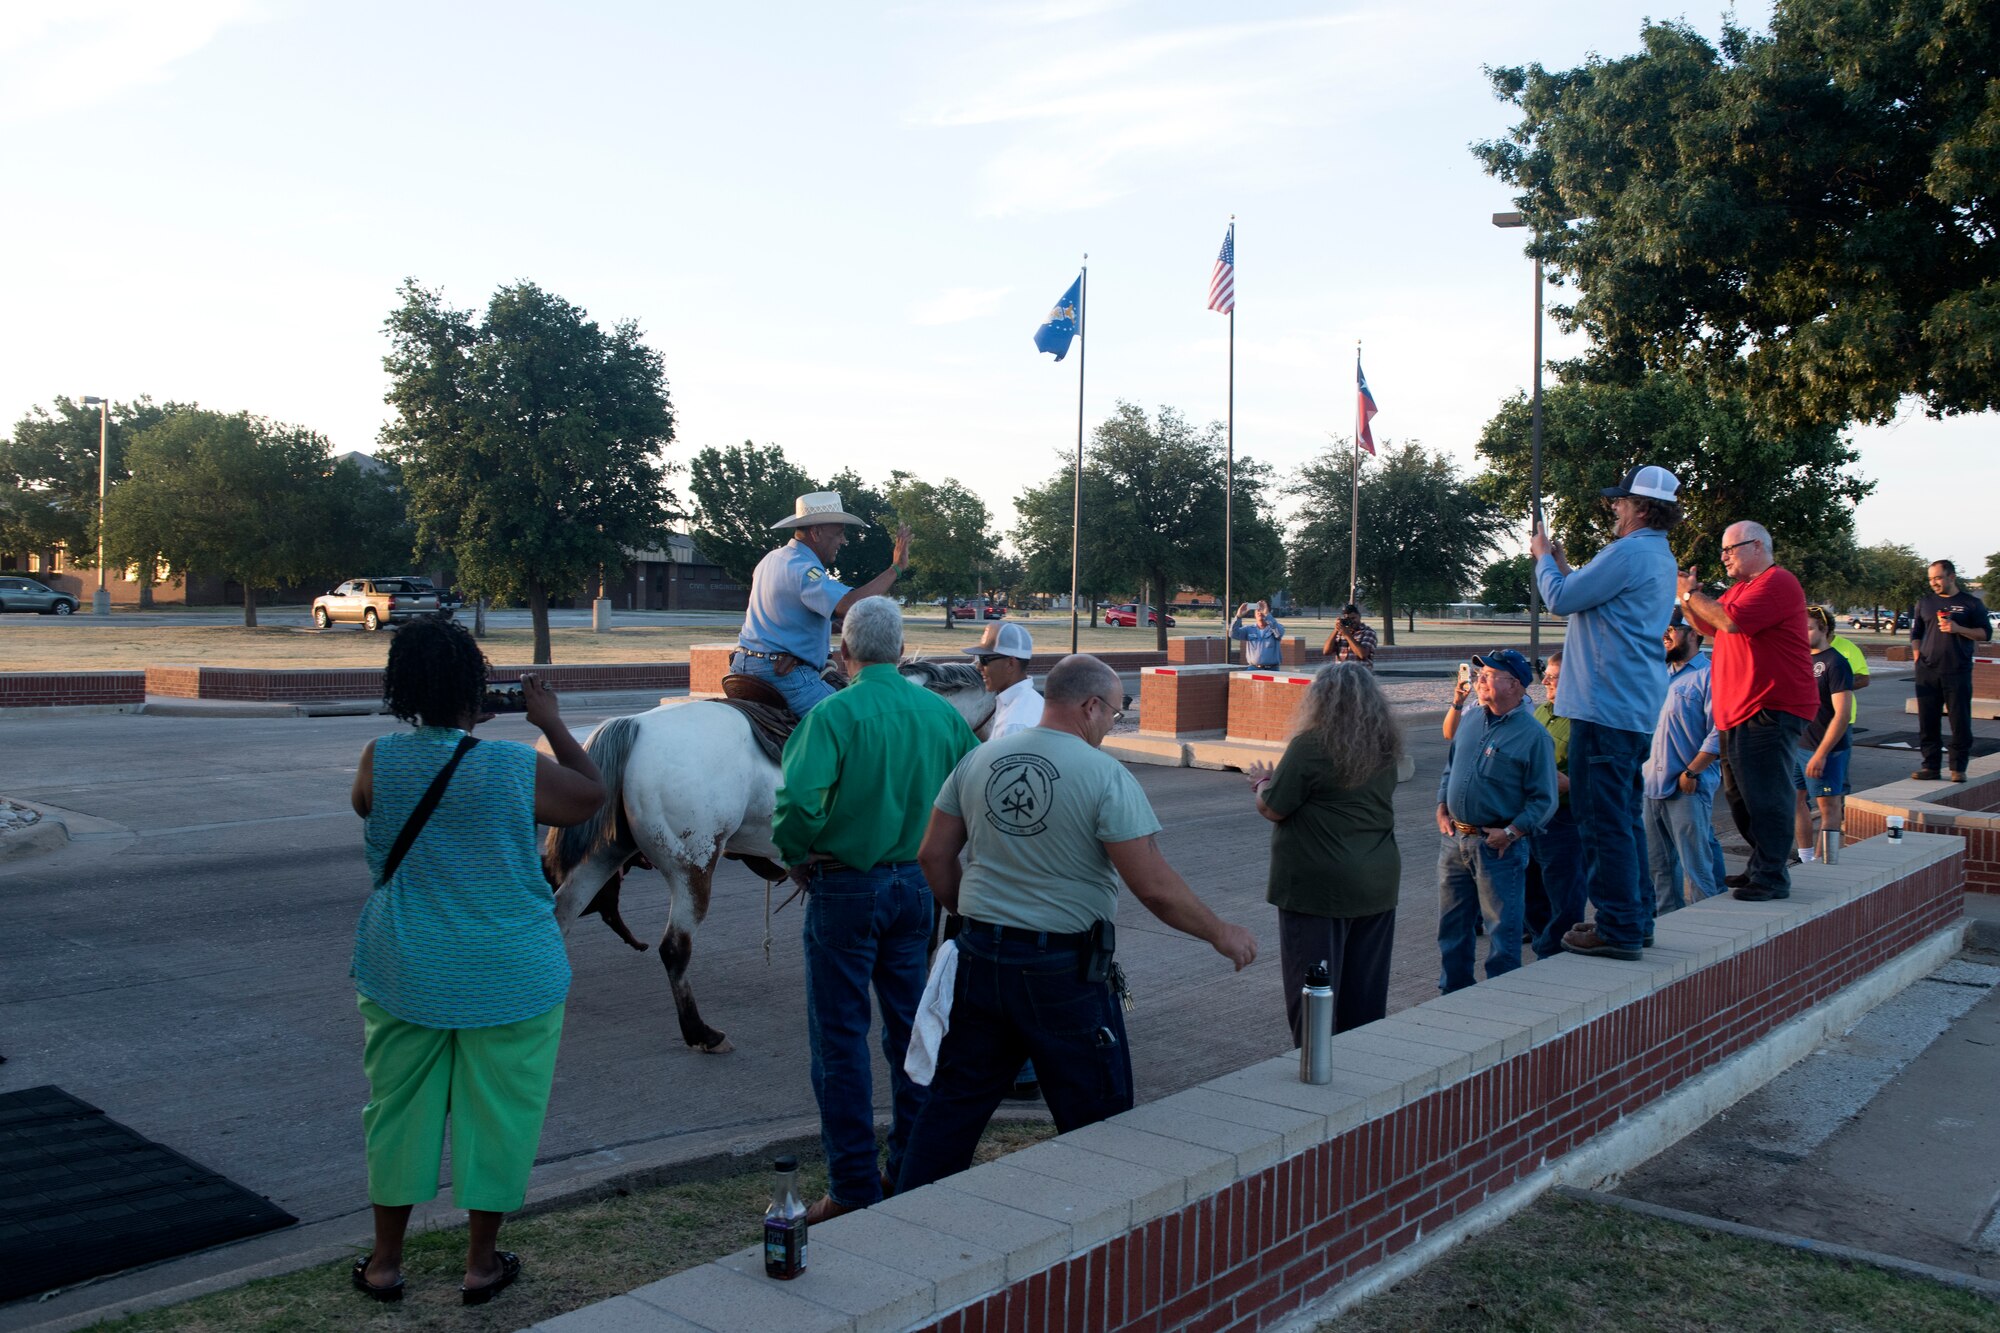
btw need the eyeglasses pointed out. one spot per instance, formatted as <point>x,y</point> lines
<point>1754,541</point>
<point>1117,714</point>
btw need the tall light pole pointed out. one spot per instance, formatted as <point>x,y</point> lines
<point>1535,452</point>
<point>100,601</point>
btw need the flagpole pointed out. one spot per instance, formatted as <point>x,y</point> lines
<point>1076,498</point>
<point>1229,471</point>
<point>1354,482</point>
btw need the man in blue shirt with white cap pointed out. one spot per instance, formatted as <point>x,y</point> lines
<point>788,626</point>
<point>1614,682</point>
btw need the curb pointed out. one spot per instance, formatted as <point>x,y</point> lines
<point>46,834</point>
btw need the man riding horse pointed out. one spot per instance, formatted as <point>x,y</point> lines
<point>793,599</point>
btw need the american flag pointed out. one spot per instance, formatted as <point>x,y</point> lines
<point>1222,287</point>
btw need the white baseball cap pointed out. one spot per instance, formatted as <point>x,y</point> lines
<point>1005,639</point>
<point>1647,482</point>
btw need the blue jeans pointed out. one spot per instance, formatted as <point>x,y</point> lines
<point>1016,999</point>
<point>801,686</point>
<point>863,926</point>
<point>1472,881</point>
<point>1605,795</point>
<point>1681,845</point>
<point>1760,755</point>
<point>1558,851</point>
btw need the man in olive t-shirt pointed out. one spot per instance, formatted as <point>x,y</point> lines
<point>1044,819</point>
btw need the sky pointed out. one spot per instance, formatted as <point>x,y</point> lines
<point>838,224</point>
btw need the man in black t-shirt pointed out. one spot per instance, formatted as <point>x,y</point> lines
<point>1829,742</point>
<point>1948,622</point>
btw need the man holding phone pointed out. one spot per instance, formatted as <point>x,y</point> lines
<point>1263,638</point>
<point>1948,622</point>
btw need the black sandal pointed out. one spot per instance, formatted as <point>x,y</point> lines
<point>510,1268</point>
<point>388,1295</point>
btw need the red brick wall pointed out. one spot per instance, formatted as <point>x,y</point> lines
<point>1982,845</point>
<point>708,663</point>
<point>53,689</point>
<point>1176,700</point>
<point>273,686</point>
<point>1986,677</point>
<point>1254,1254</point>
<point>1264,705</point>
<point>1196,649</point>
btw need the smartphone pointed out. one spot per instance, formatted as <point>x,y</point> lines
<point>1465,673</point>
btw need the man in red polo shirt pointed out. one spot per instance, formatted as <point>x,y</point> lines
<point>1762,689</point>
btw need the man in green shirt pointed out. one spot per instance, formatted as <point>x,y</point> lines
<point>1557,849</point>
<point>859,777</point>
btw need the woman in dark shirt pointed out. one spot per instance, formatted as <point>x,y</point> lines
<point>1334,862</point>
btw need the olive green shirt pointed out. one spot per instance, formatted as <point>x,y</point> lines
<point>862,769</point>
<point>1558,729</point>
<point>1333,853</point>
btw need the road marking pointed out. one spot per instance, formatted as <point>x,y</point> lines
<point>240,823</point>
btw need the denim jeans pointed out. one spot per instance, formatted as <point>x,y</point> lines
<point>1681,846</point>
<point>1473,882</point>
<point>1759,753</point>
<point>801,686</point>
<point>1558,852</point>
<point>1939,693</point>
<point>1605,795</point>
<point>1014,999</point>
<point>863,926</point>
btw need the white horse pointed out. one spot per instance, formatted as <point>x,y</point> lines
<point>687,786</point>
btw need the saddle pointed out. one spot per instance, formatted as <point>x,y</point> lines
<point>771,719</point>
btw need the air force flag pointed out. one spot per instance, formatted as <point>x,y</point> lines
<point>1055,335</point>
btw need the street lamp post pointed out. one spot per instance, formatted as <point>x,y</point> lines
<point>1535,452</point>
<point>100,601</point>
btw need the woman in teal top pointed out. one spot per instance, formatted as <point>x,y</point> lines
<point>458,961</point>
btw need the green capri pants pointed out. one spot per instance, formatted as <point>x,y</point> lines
<point>493,1083</point>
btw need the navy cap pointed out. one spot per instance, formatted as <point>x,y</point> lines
<point>1506,659</point>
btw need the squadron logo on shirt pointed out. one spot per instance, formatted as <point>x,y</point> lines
<point>1018,794</point>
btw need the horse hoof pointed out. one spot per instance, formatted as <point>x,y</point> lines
<point>720,1046</point>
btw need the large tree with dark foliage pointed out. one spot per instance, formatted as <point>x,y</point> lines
<point>739,492</point>
<point>49,476</point>
<point>1425,529</point>
<point>1807,216</point>
<point>531,443</point>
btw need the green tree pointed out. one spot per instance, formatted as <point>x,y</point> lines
<point>1042,535</point>
<point>739,492</point>
<point>1257,542</point>
<point>1163,483</point>
<point>950,538</point>
<point>1807,215</point>
<point>1989,582</point>
<point>233,495</point>
<point>49,476</point>
<point>531,444</point>
<point>868,549</point>
<point>1425,530</point>
<point>1888,576</point>
<point>1504,585</point>
<point>1797,482</point>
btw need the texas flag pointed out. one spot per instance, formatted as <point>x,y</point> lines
<point>1364,411</point>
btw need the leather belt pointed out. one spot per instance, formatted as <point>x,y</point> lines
<point>1022,935</point>
<point>1468,830</point>
<point>828,863</point>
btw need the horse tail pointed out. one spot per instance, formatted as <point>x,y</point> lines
<point>565,849</point>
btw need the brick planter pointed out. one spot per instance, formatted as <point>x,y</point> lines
<point>1197,650</point>
<point>1178,700</point>
<point>71,689</point>
<point>1264,705</point>
<point>1970,811</point>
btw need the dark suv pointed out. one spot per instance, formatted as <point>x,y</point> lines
<point>25,594</point>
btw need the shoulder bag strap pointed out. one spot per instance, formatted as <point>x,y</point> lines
<point>422,814</point>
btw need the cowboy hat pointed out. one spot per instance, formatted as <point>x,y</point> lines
<point>816,508</point>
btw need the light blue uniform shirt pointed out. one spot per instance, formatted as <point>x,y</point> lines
<point>1501,771</point>
<point>1263,645</point>
<point>791,605</point>
<point>1618,605</point>
<point>464,934</point>
<point>1686,729</point>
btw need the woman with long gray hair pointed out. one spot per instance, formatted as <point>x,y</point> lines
<point>1335,866</point>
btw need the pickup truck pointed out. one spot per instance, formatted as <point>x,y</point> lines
<point>371,602</point>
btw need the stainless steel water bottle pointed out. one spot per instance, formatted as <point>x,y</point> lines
<point>1316,1027</point>
<point>1828,847</point>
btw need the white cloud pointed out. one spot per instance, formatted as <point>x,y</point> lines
<point>62,55</point>
<point>955,305</point>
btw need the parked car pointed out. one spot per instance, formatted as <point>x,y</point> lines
<point>447,600</point>
<point>370,602</point>
<point>1127,616</point>
<point>995,611</point>
<point>25,594</point>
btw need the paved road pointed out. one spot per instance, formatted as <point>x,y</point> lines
<point>300,617</point>
<point>189,974</point>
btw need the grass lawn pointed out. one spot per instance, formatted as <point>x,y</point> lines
<point>77,643</point>
<point>1565,1266</point>
<point>570,1257</point>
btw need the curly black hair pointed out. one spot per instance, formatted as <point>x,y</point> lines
<point>436,673</point>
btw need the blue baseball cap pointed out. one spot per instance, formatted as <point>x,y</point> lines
<point>1506,659</point>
